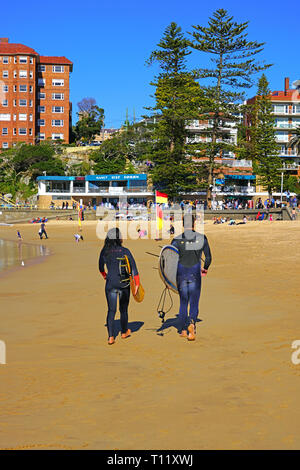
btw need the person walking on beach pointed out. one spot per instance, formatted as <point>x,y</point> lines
<point>42,231</point>
<point>190,245</point>
<point>117,281</point>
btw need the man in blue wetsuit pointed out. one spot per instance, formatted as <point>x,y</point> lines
<point>190,245</point>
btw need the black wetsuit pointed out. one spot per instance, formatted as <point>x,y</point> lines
<point>190,245</point>
<point>117,284</point>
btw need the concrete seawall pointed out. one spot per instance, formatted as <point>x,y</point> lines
<point>14,216</point>
<point>17,216</point>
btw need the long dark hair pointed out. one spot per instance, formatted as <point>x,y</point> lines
<point>113,239</point>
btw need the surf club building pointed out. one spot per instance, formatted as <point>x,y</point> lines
<point>92,189</point>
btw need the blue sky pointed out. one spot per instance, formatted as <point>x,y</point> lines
<point>109,42</point>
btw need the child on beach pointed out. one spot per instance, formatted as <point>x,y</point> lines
<point>78,237</point>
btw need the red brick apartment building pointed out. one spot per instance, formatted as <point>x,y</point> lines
<point>34,96</point>
<point>286,111</point>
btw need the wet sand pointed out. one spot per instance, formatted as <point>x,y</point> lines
<point>235,387</point>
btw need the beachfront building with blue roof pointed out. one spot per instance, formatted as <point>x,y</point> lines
<point>92,189</point>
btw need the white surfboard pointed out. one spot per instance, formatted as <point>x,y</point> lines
<point>167,266</point>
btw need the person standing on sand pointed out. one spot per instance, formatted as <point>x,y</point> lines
<point>190,245</point>
<point>42,231</point>
<point>117,281</point>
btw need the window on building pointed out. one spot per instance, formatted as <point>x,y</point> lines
<point>22,102</point>
<point>57,122</point>
<point>30,74</point>
<point>15,60</point>
<point>58,68</point>
<point>57,136</point>
<point>58,96</point>
<point>30,88</point>
<point>4,102</point>
<point>15,74</point>
<point>5,74</point>
<point>42,96</point>
<point>42,68</point>
<point>41,82</point>
<point>41,109</point>
<point>15,88</point>
<point>4,130</point>
<point>14,117</point>
<point>5,145</point>
<point>31,60</point>
<point>22,117</point>
<point>14,131</point>
<point>22,60</point>
<point>296,109</point>
<point>41,122</point>
<point>4,117</point>
<point>15,102</point>
<point>30,131</point>
<point>5,88</point>
<point>282,122</point>
<point>281,136</point>
<point>280,109</point>
<point>30,117</point>
<point>5,60</point>
<point>22,131</point>
<point>57,109</point>
<point>23,88</point>
<point>42,136</point>
<point>30,103</point>
<point>58,82</point>
<point>23,73</point>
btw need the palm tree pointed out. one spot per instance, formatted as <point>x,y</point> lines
<point>295,140</point>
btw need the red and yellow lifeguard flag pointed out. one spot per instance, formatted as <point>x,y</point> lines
<point>161,198</point>
<point>159,218</point>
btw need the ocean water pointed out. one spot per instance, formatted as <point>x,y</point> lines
<point>13,254</point>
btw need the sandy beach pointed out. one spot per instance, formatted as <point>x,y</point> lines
<point>235,387</point>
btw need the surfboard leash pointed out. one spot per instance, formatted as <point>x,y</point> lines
<point>161,304</point>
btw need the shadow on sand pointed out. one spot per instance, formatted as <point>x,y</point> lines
<point>170,323</point>
<point>133,326</point>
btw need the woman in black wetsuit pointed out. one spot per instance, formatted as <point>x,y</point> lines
<point>190,245</point>
<point>117,281</point>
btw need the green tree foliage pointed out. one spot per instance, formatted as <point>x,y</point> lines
<point>233,71</point>
<point>263,148</point>
<point>89,124</point>
<point>178,100</point>
<point>127,149</point>
<point>20,166</point>
<point>109,159</point>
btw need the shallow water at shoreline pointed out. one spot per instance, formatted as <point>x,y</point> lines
<point>17,253</point>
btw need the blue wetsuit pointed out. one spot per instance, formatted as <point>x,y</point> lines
<point>117,284</point>
<point>190,245</point>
